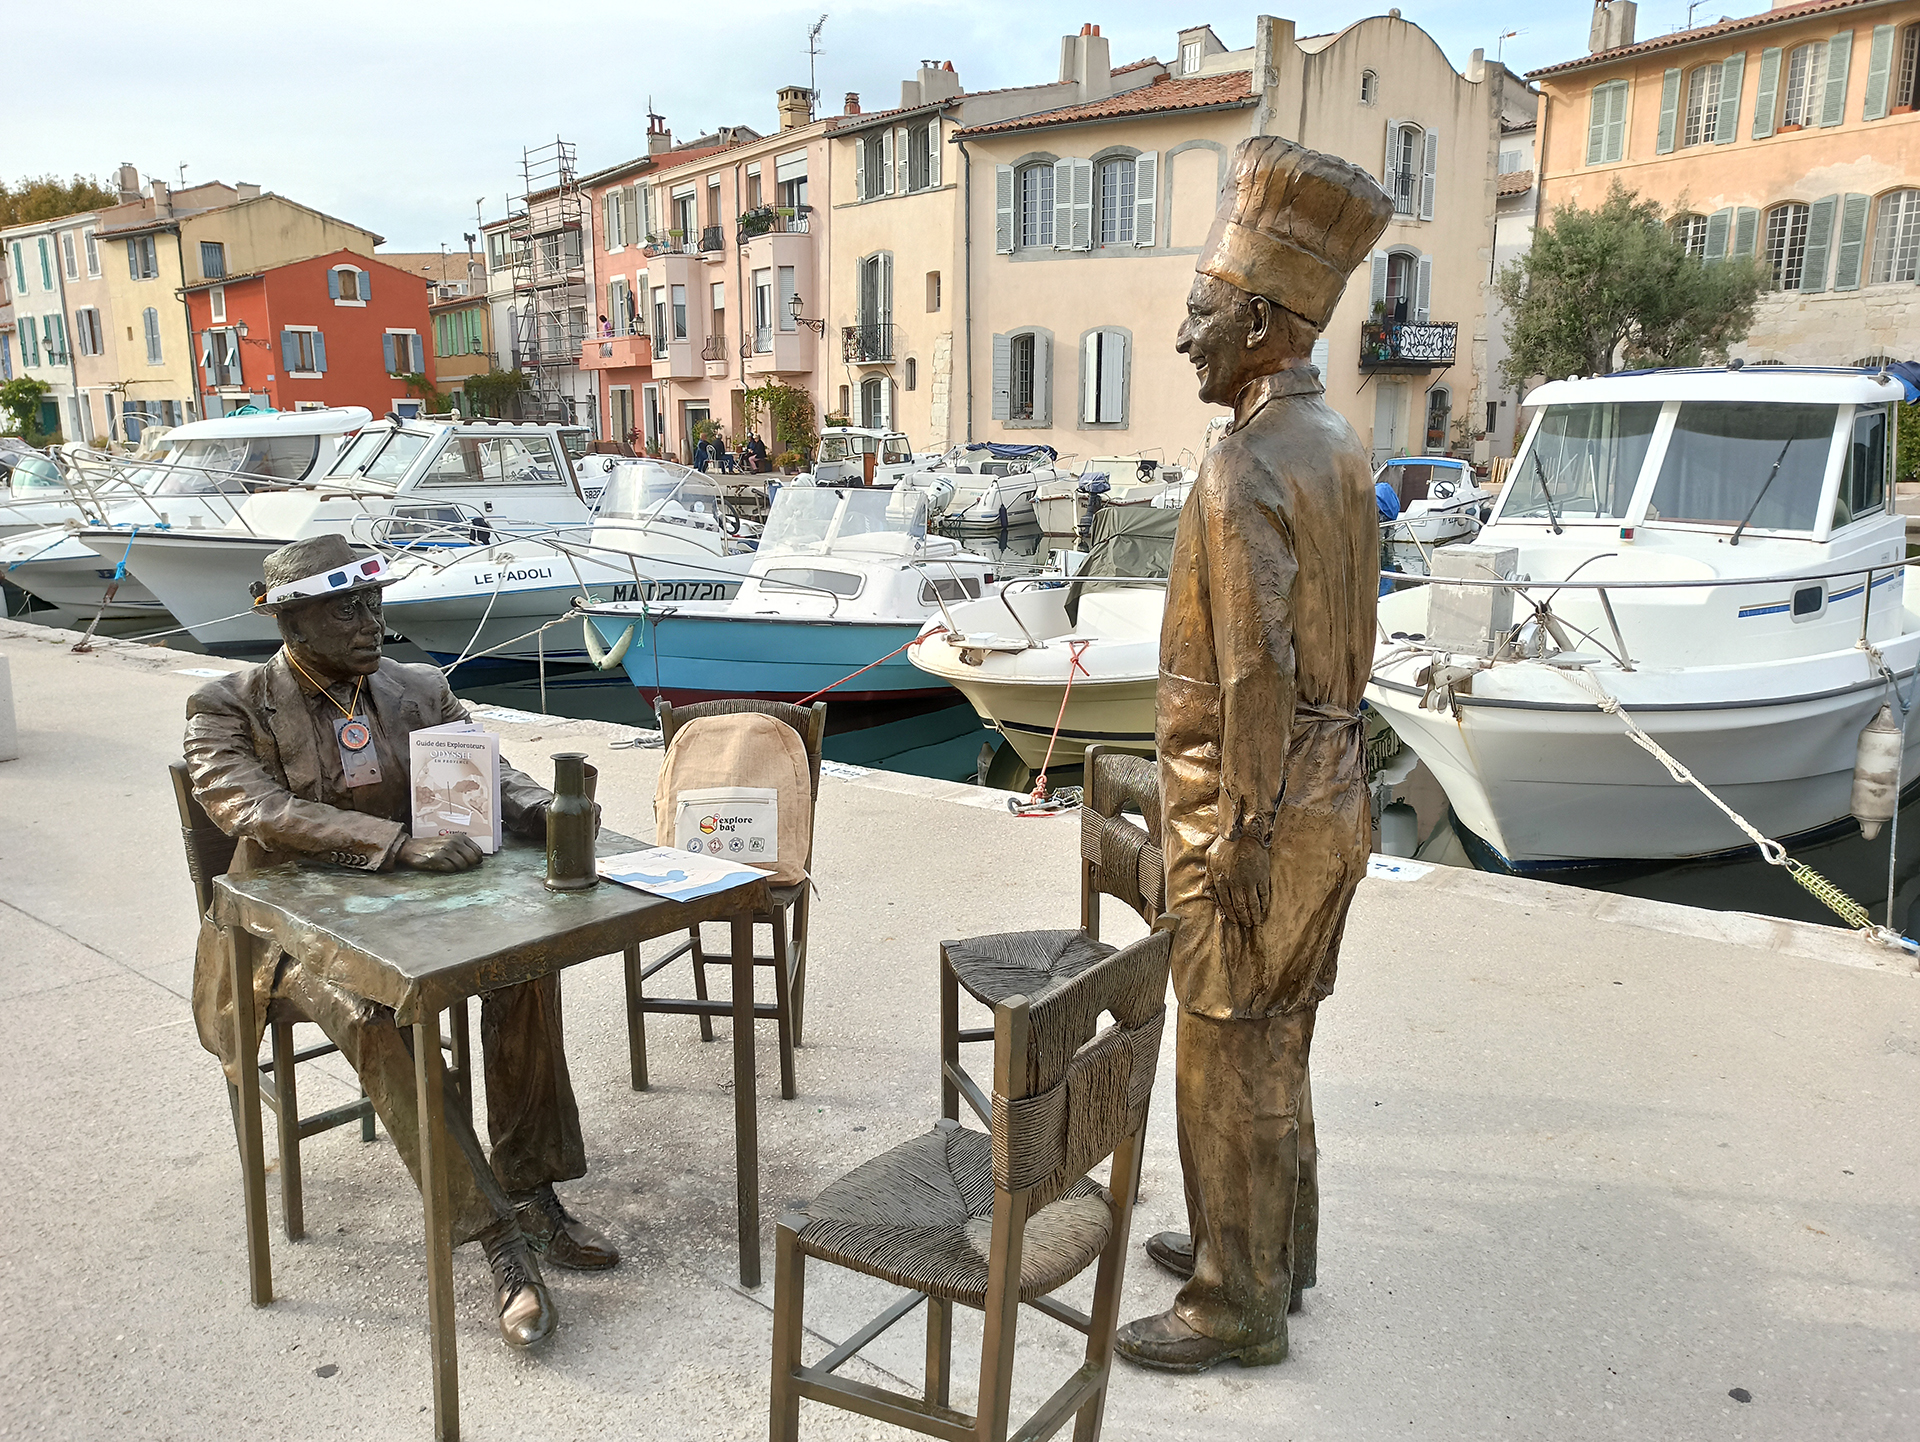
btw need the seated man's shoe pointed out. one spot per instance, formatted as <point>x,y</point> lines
<point>523,1304</point>
<point>561,1237</point>
<point>1174,1252</point>
<point>1167,1344</point>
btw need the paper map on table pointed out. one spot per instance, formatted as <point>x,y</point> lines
<point>676,875</point>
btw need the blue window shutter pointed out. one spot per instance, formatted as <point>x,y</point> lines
<point>1733,71</point>
<point>287,349</point>
<point>133,260</point>
<point>1746,230</point>
<point>1719,228</point>
<point>1766,102</point>
<point>1833,107</point>
<point>366,285</point>
<point>1820,218</point>
<point>333,284</point>
<point>1851,250</point>
<point>386,345</point>
<point>1879,69</point>
<point>320,352</point>
<point>1669,111</point>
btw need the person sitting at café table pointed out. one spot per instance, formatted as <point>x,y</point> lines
<point>306,758</point>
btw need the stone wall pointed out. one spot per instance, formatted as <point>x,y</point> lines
<point>1832,328</point>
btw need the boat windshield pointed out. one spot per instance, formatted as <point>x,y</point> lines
<point>230,463</point>
<point>818,518</point>
<point>513,460</point>
<point>637,490</point>
<point>384,454</point>
<point>1414,480</point>
<point>844,448</point>
<point>35,473</point>
<point>1734,461</point>
<point>1583,462</point>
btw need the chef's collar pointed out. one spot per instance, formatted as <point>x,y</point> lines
<point>1297,379</point>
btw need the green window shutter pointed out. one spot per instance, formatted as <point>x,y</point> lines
<point>1617,122</point>
<point>1669,111</point>
<point>1820,217</point>
<point>1746,230</point>
<point>1833,107</point>
<point>1879,73</point>
<point>1853,243</point>
<point>1733,73</point>
<point>1766,100</point>
<point>1719,227</point>
<point>1597,124</point>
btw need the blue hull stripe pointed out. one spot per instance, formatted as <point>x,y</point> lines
<point>1847,595</point>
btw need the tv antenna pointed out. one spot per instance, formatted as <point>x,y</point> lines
<point>813,55</point>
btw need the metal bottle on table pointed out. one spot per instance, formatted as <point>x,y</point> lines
<point>570,863</point>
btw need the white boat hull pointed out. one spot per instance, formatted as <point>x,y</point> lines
<point>64,573</point>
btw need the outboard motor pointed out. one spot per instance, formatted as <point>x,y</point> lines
<point>1093,487</point>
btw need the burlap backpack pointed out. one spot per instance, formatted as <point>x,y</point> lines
<point>743,750</point>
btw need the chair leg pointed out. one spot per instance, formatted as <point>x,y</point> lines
<point>789,1303</point>
<point>1105,1312</point>
<point>783,1003</point>
<point>700,984</point>
<point>286,1112</point>
<point>1002,1316</point>
<point>636,1023</point>
<point>802,915</point>
<point>949,1038</point>
<point>939,1351</point>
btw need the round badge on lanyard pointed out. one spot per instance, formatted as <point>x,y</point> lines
<point>354,735</point>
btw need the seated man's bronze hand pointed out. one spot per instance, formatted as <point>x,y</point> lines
<point>440,853</point>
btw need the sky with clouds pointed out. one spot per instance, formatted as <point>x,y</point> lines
<point>399,116</point>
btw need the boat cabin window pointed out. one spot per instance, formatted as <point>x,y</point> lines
<point>1415,482</point>
<point>232,463</point>
<point>31,473</point>
<point>894,452</point>
<point>1583,462</point>
<point>380,455</point>
<point>1734,461</point>
<point>494,461</point>
<point>576,442</point>
<point>845,448</point>
<point>936,589</point>
<point>637,491</point>
<point>1863,484</point>
<point>812,578</point>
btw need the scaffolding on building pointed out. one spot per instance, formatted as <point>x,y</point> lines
<point>548,234</point>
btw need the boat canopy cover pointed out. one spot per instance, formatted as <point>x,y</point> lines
<point>1001,451</point>
<point>1128,540</point>
<point>1908,374</point>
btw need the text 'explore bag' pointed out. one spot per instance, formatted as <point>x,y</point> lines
<point>739,787</point>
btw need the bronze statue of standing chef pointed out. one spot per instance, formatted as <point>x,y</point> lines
<point>1264,655</point>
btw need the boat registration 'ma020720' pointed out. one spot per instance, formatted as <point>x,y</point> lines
<point>1717,551</point>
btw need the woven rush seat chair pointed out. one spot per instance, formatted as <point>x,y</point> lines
<point>786,921</point>
<point>958,1217</point>
<point>209,855</point>
<point>1117,858</point>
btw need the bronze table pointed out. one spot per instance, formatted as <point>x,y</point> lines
<point>420,942</point>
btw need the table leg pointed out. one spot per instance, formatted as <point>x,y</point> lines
<point>253,1167</point>
<point>435,1155</point>
<point>746,1123</point>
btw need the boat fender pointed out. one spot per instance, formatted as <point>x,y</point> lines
<point>1876,772</point>
<point>604,660</point>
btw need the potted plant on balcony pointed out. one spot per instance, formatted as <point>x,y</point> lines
<point>757,221</point>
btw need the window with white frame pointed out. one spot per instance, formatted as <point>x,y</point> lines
<point>1404,151</point>
<point>150,320</point>
<point>1906,70</point>
<point>1369,87</point>
<point>659,321</point>
<point>213,259</point>
<point>619,303</point>
<point>220,357</point>
<point>217,302</point>
<point>303,351</point>
<point>1023,378</point>
<point>143,259</point>
<point>1607,123</point>
<point>1022,375</point>
<point>403,353</point>
<point>1116,188</point>
<point>1033,185</point>
<point>1691,232</point>
<point>763,311</point>
<point>349,285</point>
<point>679,293</point>
<point>1190,58</point>
<point>1806,85</point>
<point>1103,378</point>
<point>1787,244</point>
<point>89,337</point>
<point>613,221</point>
<point>1403,286</point>
<point>920,143</point>
<point>1703,104</point>
<point>93,252</point>
<point>1896,237</point>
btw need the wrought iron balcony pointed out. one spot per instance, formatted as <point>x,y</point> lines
<point>715,348</point>
<point>1388,345</point>
<point>774,220</point>
<point>867,343</point>
<point>713,238</point>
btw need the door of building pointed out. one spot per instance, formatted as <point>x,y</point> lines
<point>1389,408</point>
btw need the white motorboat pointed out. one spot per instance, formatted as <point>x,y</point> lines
<point>488,481</point>
<point>1441,501</point>
<point>1065,501</point>
<point>37,490</point>
<point>1060,666</point>
<point>1717,551</point>
<point>862,455</point>
<point>661,534</point>
<point>197,481</point>
<point>843,580</point>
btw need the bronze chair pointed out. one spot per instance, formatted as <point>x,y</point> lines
<point>1064,1098</point>
<point>209,854</point>
<point>787,921</point>
<point>1117,859</point>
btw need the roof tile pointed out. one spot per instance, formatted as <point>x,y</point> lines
<point>1167,93</point>
<point>1705,32</point>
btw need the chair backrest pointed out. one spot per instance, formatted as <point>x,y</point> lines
<point>809,721</point>
<point>1119,858</point>
<point>209,849</point>
<point>1065,1097</point>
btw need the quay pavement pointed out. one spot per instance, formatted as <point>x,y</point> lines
<point>1592,1167</point>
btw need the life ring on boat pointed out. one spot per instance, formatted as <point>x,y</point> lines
<point>604,660</point>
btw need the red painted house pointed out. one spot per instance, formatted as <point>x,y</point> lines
<point>330,330</point>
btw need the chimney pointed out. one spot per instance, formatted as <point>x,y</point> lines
<point>127,180</point>
<point>936,82</point>
<point>162,197</point>
<point>1086,63</point>
<point>853,102</point>
<point>659,138</point>
<point>795,106</point>
<point>1612,25</point>
<point>246,190</point>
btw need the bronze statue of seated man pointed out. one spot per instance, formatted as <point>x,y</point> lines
<point>305,757</point>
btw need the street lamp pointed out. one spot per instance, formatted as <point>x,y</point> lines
<point>818,327</point>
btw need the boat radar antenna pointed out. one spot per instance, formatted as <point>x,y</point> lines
<point>813,56</point>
